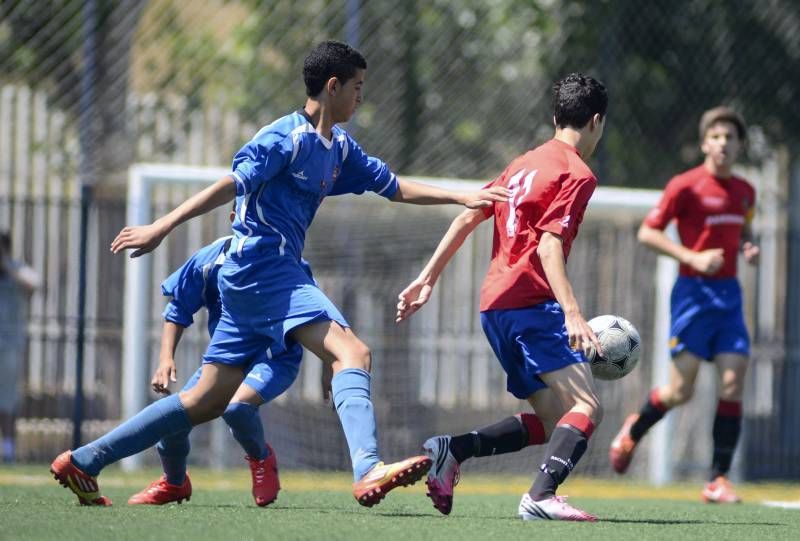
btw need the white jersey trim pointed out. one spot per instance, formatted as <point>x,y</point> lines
<point>391,180</point>
<point>238,180</point>
<point>282,246</point>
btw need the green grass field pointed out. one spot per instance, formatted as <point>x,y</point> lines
<point>319,506</point>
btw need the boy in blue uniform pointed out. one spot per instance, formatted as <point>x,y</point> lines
<point>279,179</point>
<point>190,288</point>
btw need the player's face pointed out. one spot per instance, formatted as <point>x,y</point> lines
<point>348,97</point>
<point>722,144</point>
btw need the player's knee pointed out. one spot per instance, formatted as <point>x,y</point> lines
<point>201,411</point>
<point>356,355</point>
<point>238,413</point>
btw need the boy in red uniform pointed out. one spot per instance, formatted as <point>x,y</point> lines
<point>528,310</point>
<point>713,209</point>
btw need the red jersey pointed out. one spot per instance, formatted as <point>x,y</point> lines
<point>711,213</point>
<point>550,188</point>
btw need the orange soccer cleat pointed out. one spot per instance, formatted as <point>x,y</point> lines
<point>621,451</point>
<point>84,486</point>
<point>720,490</point>
<point>265,478</point>
<point>160,492</point>
<point>382,478</point>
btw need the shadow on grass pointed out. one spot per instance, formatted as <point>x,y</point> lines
<point>680,522</point>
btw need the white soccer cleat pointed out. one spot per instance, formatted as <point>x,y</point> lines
<point>555,508</point>
<point>443,475</point>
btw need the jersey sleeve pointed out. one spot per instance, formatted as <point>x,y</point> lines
<point>260,160</point>
<point>565,212</point>
<point>185,289</point>
<point>668,207</point>
<point>361,172</point>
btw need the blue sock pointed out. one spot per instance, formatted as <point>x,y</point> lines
<point>143,430</point>
<point>173,450</point>
<point>351,397</point>
<point>246,427</point>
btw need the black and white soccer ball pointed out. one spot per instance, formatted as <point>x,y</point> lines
<point>621,347</point>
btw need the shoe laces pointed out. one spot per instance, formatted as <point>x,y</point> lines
<point>258,469</point>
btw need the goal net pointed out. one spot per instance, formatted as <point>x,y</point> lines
<point>433,374</point>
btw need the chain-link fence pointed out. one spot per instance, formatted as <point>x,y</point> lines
<point>454,88</point>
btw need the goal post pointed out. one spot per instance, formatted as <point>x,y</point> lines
<point>607,206</point>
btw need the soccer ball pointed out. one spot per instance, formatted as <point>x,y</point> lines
<point>621,347</point>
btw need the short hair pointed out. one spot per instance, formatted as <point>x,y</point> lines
<point>577,98</point>
<point>330,59</point>
<point>722,114</point>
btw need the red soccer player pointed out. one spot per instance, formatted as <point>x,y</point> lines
<point>713,209</point>
<point>528,310</point>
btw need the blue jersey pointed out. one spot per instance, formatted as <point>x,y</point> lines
<point>194,285</point>
<point>283,174</point>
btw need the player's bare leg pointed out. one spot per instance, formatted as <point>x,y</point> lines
<point>682,376</point>
<point>732,369</point>
<point>350,360</point>
<point>574,388</point>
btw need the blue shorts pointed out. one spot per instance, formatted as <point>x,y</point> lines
<point>707,318</point>
<point>529,342</point>
<point>263,300</point>
<point>268,377</point>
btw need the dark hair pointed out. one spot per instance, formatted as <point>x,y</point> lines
<point>330,59</point>
<point>5,241</point>
<point>577,98</point>
<point>722,114</point>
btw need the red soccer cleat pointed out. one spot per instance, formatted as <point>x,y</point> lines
<point>720,490</point>
<point>84,486</point>
<point>621,451</point>
<point>265,478</point>
<point>160,492</point>
<point>382,478</point>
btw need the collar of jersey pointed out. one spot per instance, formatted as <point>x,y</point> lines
<point>325,141</point>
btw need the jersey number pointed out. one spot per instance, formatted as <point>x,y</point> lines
<point>519,189</point>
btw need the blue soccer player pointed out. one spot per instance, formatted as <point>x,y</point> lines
<point>279,180</point>
<point>190,288</point>
<point>713,209</point>
<point>529,312</point>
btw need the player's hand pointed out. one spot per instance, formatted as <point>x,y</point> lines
<point>581,336</point>
<point>750,252</point>
<point>145,238</point>
<point>164,374</point>
<point>708,261</point>
<point>487,197</point>
<point>412,299</point>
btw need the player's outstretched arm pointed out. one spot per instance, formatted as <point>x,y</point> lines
<point>706,262</point>
<point>166,371</point>
<point>145,238</point>
<point>418,292</point>
<point>551,254</point>
<point>422,194</point>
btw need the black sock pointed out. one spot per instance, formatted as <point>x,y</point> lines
<point>651,413</point>
<point>567,445</point>
<point>727,426</point>
<point>506,436</point>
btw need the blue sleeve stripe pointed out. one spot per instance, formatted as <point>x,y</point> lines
<point>392,180</point>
